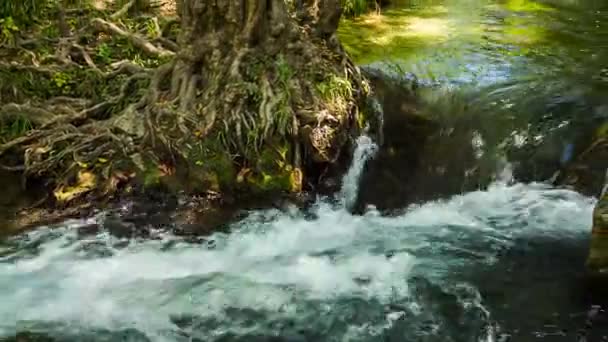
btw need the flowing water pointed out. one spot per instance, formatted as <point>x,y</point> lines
<point>522,71</point>
<point>482,266</point>
<point>501,264</point>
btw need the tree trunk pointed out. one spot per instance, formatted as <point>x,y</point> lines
<point>259,94</point>
<point>253,73</point>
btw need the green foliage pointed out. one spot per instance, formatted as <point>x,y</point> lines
<point>151,29</point>
<point>335,87</point>
<point>22,85</point>
<point>211,156</point>
<point>283,115</point>
<point>119,48</point>
<point>272,170</point>
<point>62,81</point>
<point>355,8</point>
<point>8,28</point>
<point>12,129</point>
<point>24,11</point>
<point>261,74</point>
<point>151,176</point>
<point>104,53</point>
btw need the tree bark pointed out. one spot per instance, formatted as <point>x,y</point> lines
<point>249,79</point>
<point>250,69</point>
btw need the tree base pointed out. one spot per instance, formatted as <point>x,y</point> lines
<point>244,106</point>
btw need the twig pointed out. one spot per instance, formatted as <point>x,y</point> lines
<point>126,8</point>
<point>18,141</point>
<point>126,66</point>
<point>168,43</point>
<point>87,57</point>
<point>12,168</point>
<point>136,39</point>
<point>72,101</point>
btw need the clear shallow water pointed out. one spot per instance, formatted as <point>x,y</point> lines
<point>517,67</point>
<point>463,269</point>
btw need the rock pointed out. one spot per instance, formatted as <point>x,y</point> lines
<point>566,150</point>
<point>597,261</point>
<point>584,172</point>
<point>419,159</point>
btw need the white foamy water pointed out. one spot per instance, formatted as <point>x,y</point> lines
<point>365,149</point>
<point>276,267</point>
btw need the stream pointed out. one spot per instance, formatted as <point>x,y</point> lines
<point>476,267</point>
<point>503,263</point>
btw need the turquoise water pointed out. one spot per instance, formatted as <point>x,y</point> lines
<point>476,267</point>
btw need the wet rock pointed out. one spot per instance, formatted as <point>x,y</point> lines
<point>571,156</point>
<point>597,261</point>
<point>120,228</point>
<point>13,200</point>
<point>420,159</point>
<point>585,173</point>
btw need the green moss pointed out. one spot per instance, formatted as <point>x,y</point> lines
<point>363,116</point>
<point>272,171</point>
<point>210,158</point>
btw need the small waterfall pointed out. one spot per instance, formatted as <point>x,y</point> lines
<point>366,149</point>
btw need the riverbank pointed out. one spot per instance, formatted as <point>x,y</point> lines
<point>103,101</point>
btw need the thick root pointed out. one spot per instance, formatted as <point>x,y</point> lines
<point>255,90</point>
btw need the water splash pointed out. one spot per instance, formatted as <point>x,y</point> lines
<point>366,149</point>
<point>338,275</point>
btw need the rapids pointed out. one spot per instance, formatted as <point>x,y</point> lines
<point>442,271</point>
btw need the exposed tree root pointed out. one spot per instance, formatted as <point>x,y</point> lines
<point>136,39</point>
<point>35,115</point>
<point>124,10</point>
<point>244,80</point>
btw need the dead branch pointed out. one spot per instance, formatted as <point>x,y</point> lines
<point>167,43</point>
<point>70,101</point>
<point>126,67</point>
<point>20,141</point>
<point>87,58</point>
<point>136,39</point>
<point>126,8</point>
